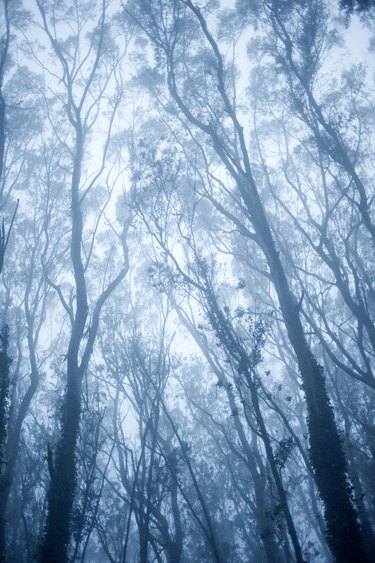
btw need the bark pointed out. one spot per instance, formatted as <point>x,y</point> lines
<point>63,480</point>
<point>63,483</point>
<point>368,533</point>
<point>174,548</point>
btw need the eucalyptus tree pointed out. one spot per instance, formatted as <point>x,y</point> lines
<point>93,460</point>
<point>242,354</point>
<point>326,201</point>
<point>172,215</point>
<point>143,469</point>
<point>29,295</point>
<point>83,68</point>
<point>3,58</point>
<point>355,407</point>
<point>140,363</point>
<point>173,485</point>
<point>200,83</point>
<point>23,296</point>
<point>16,121</point>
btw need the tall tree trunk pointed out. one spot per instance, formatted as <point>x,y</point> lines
<point>174,548</point>
<point>5,362</point>
<point>63,481</point>
<point>63,475</point>
<point>344,534</point>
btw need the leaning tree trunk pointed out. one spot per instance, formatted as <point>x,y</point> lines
<point>344,534</point>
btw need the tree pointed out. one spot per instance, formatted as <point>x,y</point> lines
<point>216,123</point>
<point>83,92</point>
<point>5,362</point>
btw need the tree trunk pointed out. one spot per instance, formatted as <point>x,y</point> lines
<point>63,481</point>
<point>5,362</point>
<point>326,451</point>
<point>63,478</point>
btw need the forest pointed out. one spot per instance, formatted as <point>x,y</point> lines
<point>187,289</point>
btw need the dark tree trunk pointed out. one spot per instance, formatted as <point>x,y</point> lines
<point>344,534</point>
<point>63,477</point>
<point>5,362</point>
<point>63,482</point>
